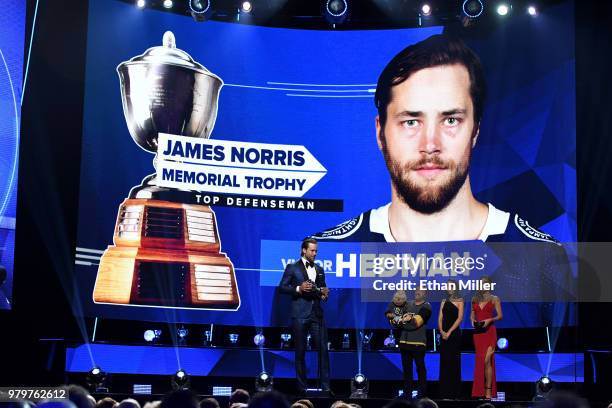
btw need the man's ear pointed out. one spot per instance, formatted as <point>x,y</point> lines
<point>378,132</point>
<point>475,137</point>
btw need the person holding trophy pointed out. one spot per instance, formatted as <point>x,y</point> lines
<point>411,318</point>
<point>304,281</point>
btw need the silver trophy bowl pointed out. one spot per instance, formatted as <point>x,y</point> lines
<point>165,90</point>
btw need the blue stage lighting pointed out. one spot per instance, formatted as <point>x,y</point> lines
<point>95,380</point>
<point>141,3</point>
<point>502,343</point>
<point>168,4</point>
<point>259,339</point>
<point>359,386</point>
<point>503,9</point>
<point>180,380</point>
<point>246,7</point>
<point>263,382</point>
<point>543,387</point>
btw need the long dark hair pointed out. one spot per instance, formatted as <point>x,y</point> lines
<point>457,293</point>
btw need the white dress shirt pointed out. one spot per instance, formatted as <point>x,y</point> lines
<point>310,270</point>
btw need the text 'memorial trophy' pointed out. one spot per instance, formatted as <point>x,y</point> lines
<point>167,249</point>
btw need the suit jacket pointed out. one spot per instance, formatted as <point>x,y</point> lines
<point>302,304</point>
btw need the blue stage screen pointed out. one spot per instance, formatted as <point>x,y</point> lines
<point>314,91</point>
<point>12,34</point>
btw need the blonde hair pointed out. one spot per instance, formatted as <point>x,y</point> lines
<point>399,297</point>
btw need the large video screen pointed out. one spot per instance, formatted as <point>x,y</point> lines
<point>211,150</point>
<point>12,34</point>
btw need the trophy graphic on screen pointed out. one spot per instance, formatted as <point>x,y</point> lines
<point>166,248</point>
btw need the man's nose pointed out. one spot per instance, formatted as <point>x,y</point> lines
<point>430,139</point>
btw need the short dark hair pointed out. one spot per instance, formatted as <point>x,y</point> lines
<point>239,395</point>
<point>180,399</point>
<point>78,395</point>
<point>307,241</point>
<point>106,402</point>
<point>270,399</point>
<point>437,50</point>
<point>209,403</point>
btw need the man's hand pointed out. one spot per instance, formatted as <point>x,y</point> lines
<point>324,293</point>
<point>407,317</point>
<point>305,287</point>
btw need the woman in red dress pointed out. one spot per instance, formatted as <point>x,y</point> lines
<point>486,309</point>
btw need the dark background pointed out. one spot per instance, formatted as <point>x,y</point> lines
<point>49,179</point>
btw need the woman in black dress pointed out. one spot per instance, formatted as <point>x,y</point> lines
<point>449,324</point>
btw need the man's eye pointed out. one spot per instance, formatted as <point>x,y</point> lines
<point>451,121</point>
<point>411,123</point>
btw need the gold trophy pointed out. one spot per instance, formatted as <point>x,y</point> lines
<point>167,247</point>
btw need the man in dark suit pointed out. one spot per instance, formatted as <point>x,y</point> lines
<point>305,282</point>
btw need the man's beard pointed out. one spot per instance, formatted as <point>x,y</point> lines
<point>426,199</point>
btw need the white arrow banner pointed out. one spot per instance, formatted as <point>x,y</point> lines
<point>231,167</point>
<point>237,154</point>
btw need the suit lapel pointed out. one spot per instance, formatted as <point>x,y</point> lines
<point>302,268</point>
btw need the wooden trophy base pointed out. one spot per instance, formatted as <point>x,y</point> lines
<point>166,254</point>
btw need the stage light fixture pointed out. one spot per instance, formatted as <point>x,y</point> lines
<point>263,382</point>
<point>259,339</point>
<point>359,386</point>
<point>168,4</point>
<point>141,3</point>
<point>246,7</point>
<point>502,343</point>
<point>96,379</point>
<point>425,9</point>
<point>199,6</point>
<point>543,387</point>
<point>503,9</point>
<point>180,380</point>
<point>335,11</point>
<point>473,8</point>
<point>532,10</point>
<point>336,8</point>
<point>233,338</point>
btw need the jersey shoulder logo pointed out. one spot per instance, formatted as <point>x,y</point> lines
<point>532,232</point>
<point>346,229</point>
